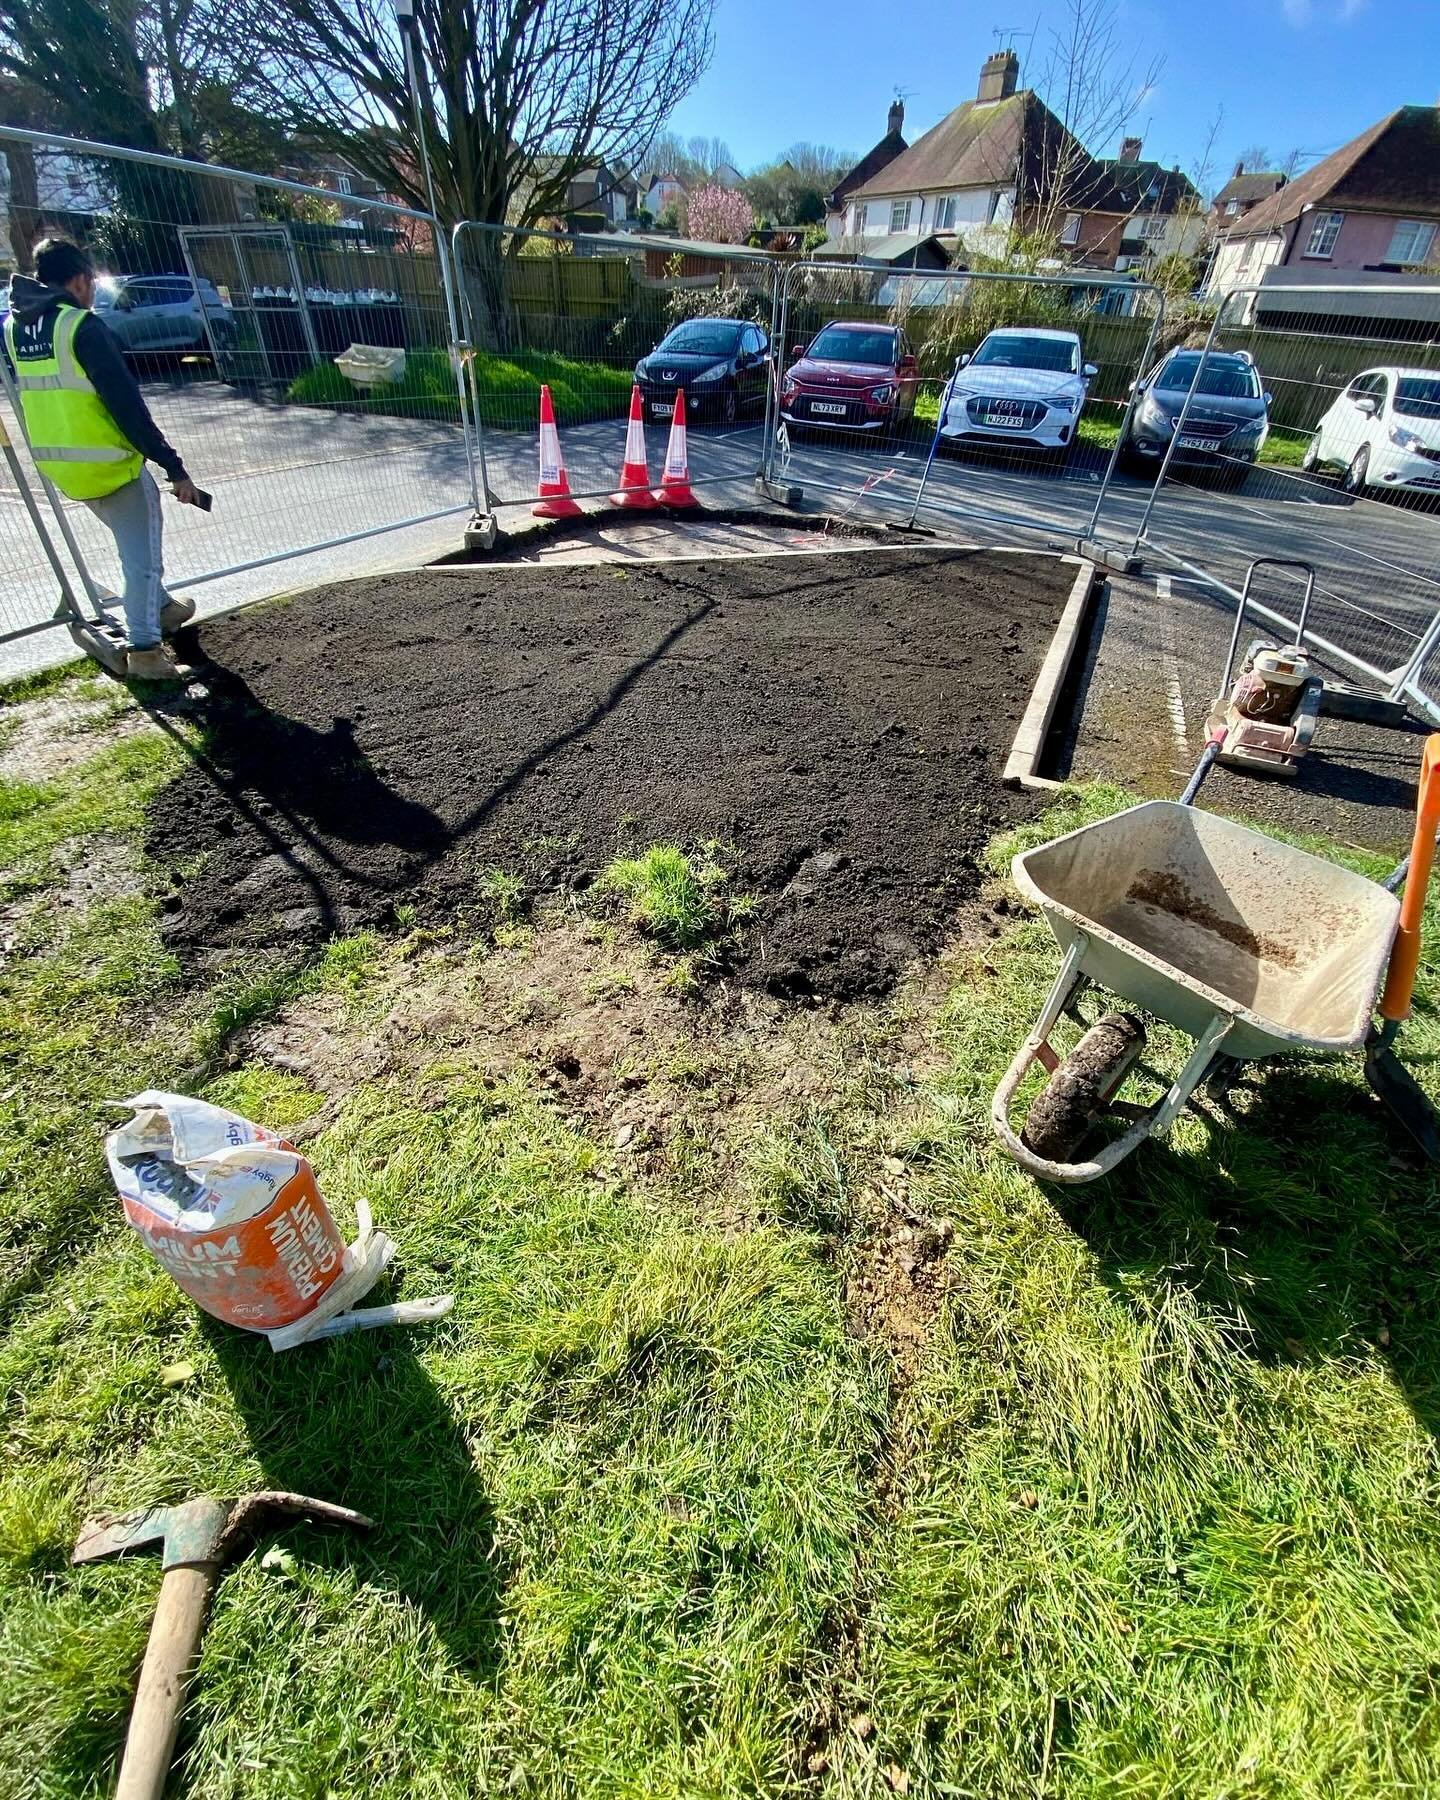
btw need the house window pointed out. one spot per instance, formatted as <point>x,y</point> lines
<point>945,213</point>
<point>1070,231</point>
<point>1231,208</point>
<point>1412,242</point>
<point>1245,249</point>
<point>1323,233</point>
<point>343,185</point>
<point>1153,227</point>
<point>899,215</point>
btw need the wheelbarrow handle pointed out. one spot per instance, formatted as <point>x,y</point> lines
<point>1405,954</point>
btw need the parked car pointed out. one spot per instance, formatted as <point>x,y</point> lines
<point>154,315</point>
<point>853,377</point>
<point>1021,387</point>
<point>1225,427</point>
<point>721,365</point>
<point>1383,431</point>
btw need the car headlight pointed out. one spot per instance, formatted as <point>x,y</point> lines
<point>1403,439</point>
<point>1153,413</point>
<point>1064,402</point>
<point>714,374</point>
<point>883,393</point>
<point>1248,428</point>
<point>789,386</point>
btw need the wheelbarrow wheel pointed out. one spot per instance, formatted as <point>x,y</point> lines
<point>1079,1090</point>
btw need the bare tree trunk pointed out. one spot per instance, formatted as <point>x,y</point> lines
<point>25,224</point>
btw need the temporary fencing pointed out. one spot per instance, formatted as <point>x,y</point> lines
<point>236,297</point>
<point>876,359</point>
<point>331,366</point>
<point>583,315</point>
<point>1348,476</point>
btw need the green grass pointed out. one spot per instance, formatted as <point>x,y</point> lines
<point>679,899</point>
<point>508,388</point>
<point>1147,1508</point>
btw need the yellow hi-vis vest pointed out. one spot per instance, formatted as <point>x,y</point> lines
<point>73,439</point>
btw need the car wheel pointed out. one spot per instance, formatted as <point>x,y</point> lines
<point>1310,461</point>
<point>1130,464</point>
<point>1359,469</point>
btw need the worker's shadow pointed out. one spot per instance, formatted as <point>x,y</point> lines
<point>321,778</point>
<point>358,1421</point>
<point>301,794</point>
<point>1304,1229</point>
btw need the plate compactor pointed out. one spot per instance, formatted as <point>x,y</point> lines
<point>1266,718</point>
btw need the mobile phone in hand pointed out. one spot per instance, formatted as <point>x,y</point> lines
<point>203,500</point>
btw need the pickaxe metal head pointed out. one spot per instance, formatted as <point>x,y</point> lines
<point>203,1530</point>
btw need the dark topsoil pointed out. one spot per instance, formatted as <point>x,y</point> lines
<point>838,724</point>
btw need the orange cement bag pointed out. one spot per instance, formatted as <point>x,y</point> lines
<point>230,1209</point>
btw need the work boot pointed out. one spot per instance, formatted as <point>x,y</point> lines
<point>175,613</point>
<point>154,663</point>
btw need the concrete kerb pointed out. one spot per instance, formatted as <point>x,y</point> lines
<point>1026,751</point>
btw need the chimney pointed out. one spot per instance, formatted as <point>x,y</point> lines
<point>998,75</point>
<point>1130,149</point>
<point>1240,166</point>
<point>896,119</point>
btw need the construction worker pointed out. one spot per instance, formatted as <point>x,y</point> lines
<point>91,434</point>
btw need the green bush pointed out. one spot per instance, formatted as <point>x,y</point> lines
<point>508,387</point>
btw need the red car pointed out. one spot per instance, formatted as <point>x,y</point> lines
<point>854,377</point>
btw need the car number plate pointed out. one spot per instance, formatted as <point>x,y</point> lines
<point>1006,421</point>
<point>827,406</point>
<point>1196,443</point>
<point>662,409</point>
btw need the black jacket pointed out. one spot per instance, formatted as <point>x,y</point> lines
<point>99,355</point>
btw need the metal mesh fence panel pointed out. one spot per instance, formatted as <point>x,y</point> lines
<point>994,399</point>
<point>292,344</point>
<point>593,318</point>
<point>1306,423</point>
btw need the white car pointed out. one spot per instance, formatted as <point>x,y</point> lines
<point>1022,386</point>
<point>1384,432</point>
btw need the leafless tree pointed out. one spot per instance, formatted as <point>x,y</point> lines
<point>521,95</point>
<point>1254,159</point>
<point>1093,83</point>
<point>1202,169</point>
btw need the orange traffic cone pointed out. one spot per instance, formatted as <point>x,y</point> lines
<point>554,501</point>
<point>674,489</point>
<point>634,489</point>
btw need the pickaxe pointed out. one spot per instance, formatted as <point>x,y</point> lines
<point>198,1538</point>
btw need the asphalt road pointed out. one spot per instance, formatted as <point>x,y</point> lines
<point>285,476</point>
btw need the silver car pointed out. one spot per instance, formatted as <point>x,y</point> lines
<point>155,315</point>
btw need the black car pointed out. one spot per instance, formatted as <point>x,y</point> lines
<point>1226,424</point>
<point>723,366</point>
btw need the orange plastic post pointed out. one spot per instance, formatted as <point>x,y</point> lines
<point>1405,955</point>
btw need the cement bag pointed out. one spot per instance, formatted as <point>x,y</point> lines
<point>229,1208</point>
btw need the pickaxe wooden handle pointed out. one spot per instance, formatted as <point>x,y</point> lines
<point>170,1657</point>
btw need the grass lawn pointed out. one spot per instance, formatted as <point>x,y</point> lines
<point>784,1436</point>
<point>508,388</point>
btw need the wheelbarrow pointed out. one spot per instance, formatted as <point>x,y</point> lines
<point>1253,948</point>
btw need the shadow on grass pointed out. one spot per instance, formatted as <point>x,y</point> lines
<point>1306,1220</point>
<point>359,1421</point>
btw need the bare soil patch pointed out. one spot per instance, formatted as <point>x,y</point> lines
<point>838,726</point>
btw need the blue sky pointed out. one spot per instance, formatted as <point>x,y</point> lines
<point>1304,74</point>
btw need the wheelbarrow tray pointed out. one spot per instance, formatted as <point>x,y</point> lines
<point>1190,915</point>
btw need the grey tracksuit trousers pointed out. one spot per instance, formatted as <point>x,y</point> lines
<point>132,514</point>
